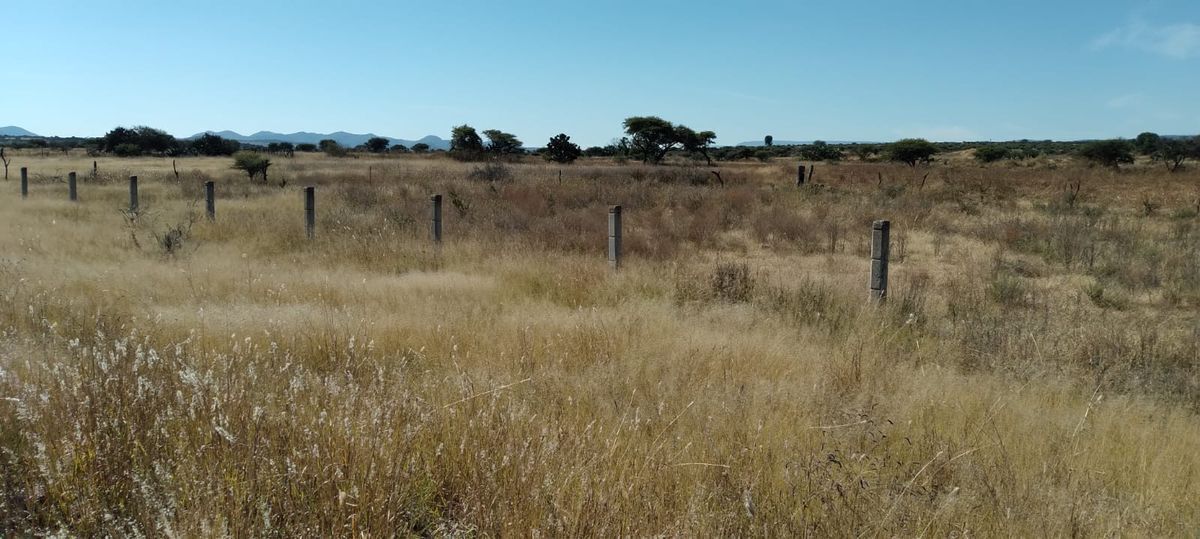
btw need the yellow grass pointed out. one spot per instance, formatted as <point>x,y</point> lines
<point>509,383</point>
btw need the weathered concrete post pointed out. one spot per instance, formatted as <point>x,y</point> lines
<point>133,194</point>
<point>800,176</point>
<point>880,238</point>
<point>72,193</point>
<point>310,212</point>
<point>435,226</point>
<point>24,182</point>
<point>614,236</point>
<point>210,200</point>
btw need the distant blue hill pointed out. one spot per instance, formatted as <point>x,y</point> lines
<point>14,131</point>
<point>304,137</point>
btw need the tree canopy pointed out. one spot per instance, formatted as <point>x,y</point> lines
<point>560,149</point>
<point>252,163</point>
<point>652,137</point>
<point>911,151</point>
<point>1110,153</point>
<point>501,143</point>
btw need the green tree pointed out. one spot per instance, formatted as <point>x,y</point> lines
<point>695,142</point>
<point>1174,152</point>
<point>651,137</point>
<point>560,149</point>
<point>377,144</point>
<point>332,148</point>
<point>911,151</point>
<point>252,163</point>
<point>992,153</point>
<point>307,147</point>
<point>1109,153</point>
<point>864,151</point>
<point>768,141</point>
<point>820,150</point>
<point>420,147</point>
<point>501,143</point>
<point>1147,143</point>
<point>465,143</point>
<point>399,148</point>
<point>210,144</point>
<point>146,139</point>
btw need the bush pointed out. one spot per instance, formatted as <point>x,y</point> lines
<point>992,153</point>
<point>732,282</point>
<point>1109,153</point>
<point>911,151</point>
<point>252,163</point>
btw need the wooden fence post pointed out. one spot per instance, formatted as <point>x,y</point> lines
<point>210,200</point>
<point>800,176</point>
<point>72,192</point>
<point>880,238</point>
<point>435,225</point>
<point>133,194</point>
<point>812,169</point>
<point>614,236</point>
<point>24,182</point>
<point>310,212</point>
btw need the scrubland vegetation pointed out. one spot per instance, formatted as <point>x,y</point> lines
<point>1035,371</point>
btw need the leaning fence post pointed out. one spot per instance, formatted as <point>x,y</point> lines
<point>614,236</point>
<point>435,226</point>
<point>210,200</point>
<point>72,193</point>
<point>800,176</point>
<point>880,237</point>
<point>133,194</point>
<point>812,169</point>
<point>310,211</point>
<point>24,182</point>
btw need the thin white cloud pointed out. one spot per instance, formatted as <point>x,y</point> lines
<point>1126,101</point>
<point>1180,41</point>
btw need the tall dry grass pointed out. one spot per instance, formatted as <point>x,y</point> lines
<point>1035,371</point>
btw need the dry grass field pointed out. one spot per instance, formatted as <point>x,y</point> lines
<point>1035,371</point>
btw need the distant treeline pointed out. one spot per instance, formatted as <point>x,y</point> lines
<point>649,139</point>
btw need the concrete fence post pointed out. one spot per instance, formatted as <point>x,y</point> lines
<point>880,238</point>
<point>435,225</point>
<point>24,182</point>
<point>310,212</point>
<point>133,194</point>
<point>614,236</point>
<point>800,176</point>
<point>72,192</point>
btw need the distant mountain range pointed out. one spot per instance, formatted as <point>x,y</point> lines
<point>304,137</point>
<point>14,131</point>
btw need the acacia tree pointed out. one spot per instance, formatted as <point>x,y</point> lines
<point>1147,143</point>
<point>652,137</point>
<point>465,143</point>
<point>695,142</point>
<point>1174,152</point>
<point>911,151</point>
<point>501,143</point>
<point>377,144</point>
<point>1109,153</point>
<point>768,141</point>
<point>252,163</point>
<point>560,149</point>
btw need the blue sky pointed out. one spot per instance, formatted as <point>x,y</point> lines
<point>799,70</point>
